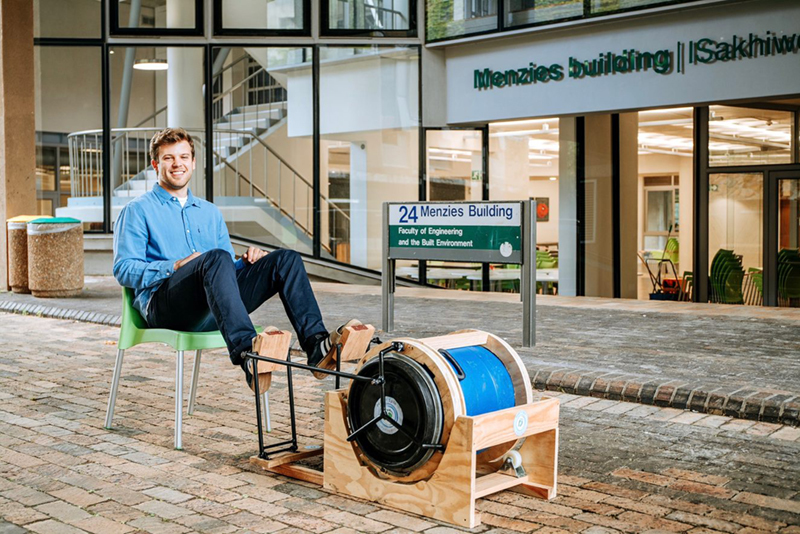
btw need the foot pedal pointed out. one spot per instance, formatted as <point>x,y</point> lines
<point>355,341</point>
<point>272,343</point>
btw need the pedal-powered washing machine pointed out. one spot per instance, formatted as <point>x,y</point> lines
<point>442,422</point>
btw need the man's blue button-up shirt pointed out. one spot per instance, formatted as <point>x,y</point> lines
<point>153,231</point>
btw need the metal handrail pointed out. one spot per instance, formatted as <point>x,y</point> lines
<point>151,117</point>
<point>233,64</point>
<point>238,85</point>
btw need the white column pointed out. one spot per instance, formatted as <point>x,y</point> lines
<point>185,103</point>
<point>358,204</point>
<point>567,208</point>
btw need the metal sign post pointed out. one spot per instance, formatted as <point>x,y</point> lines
<point>388,278</point>
<point>471,232</point>
<point>528,275</point>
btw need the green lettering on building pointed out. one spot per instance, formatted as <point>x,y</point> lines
<point>664,62</point>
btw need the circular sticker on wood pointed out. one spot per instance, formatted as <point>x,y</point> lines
<point>520,422</point>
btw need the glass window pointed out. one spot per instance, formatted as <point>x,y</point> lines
<point>69,133</point>
<point>135,16</point>
<point>260,14</point>
<point>454,164</point>
<point>152,88</point>
<point>749,136</point>
<point>666,176</point>
<point>263,144</point>
<point>371,15</point>
<point>523,164</point>
<point>66,18</point>
<point>610,6</point>
<point>455,18</point>
<point>735,233</point>
<point>369,129</point>
<point>525,12</point>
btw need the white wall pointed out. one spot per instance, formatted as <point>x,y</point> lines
<point>358,93</point>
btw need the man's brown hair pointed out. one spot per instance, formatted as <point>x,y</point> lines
<point>169,136</point>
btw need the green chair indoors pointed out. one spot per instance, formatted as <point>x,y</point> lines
<point>788,275</point>
<point>726,278</point>
<point>134,331</point>
<point>672,252</point>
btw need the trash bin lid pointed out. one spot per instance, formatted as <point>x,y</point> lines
<point>25,218</point>
<point>55,220</point>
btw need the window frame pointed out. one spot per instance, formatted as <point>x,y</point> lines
<point>221,31</point>
<point>326,31</point>
<point>588,16</point>
<point>115,30</point>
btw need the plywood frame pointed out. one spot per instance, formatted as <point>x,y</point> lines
<point>450,493</point>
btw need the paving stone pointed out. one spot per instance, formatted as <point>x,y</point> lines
<point>623,467</point>
<point>10,528</point>
<point>50,526</point>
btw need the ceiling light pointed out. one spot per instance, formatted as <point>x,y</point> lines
<point>520,123</point>
<point>151,64</point>
<point>553,178</point>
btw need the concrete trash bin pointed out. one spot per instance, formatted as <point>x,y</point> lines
<point>55,257</point>
<point>18,252</point>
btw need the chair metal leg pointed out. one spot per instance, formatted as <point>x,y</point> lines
<point>266,412</point>
<point>195,376</point>
<point>112,396</point>
<point>178,399</point>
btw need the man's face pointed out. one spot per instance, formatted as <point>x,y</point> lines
<point>174,166</point>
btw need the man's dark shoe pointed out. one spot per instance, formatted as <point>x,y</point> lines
<point>264,379</point>
<point>323,355</point>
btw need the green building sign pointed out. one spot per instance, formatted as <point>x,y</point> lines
<point>463,231</point>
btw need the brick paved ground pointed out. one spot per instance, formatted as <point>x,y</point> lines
<point>623,467</point>
<point>716,359</point>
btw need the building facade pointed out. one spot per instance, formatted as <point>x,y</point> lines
<point>660,138</point>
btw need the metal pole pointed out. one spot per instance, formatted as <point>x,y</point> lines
<point>125,91</point>
<point>528,288</point>
<point>387,277</point>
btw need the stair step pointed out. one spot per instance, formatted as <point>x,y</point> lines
<point>275,106</point>
<point>244,122</point>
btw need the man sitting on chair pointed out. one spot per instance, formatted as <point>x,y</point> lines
<point>174,250</point>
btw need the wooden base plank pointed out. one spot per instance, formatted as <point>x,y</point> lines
<point>300,472</point>
<point>285,458</point>
<point>283,465</point>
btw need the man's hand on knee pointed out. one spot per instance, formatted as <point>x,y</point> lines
<point>180,263</point>
<point>253,254</point>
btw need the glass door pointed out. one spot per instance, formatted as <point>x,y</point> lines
<point>784,243</point>
<point>735,238</point>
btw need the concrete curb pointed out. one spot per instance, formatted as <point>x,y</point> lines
<point>59,313</point>
<point>744,403</point>
<point>740,402</point>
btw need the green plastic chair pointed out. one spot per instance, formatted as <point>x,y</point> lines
<point>134,331</point>
<point>672,250</point>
